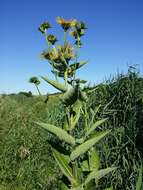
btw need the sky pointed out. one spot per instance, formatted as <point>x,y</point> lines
<point>113,40</point>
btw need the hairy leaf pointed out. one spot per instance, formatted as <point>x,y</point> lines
<point>98,174</point>
<point>94,126</point>
<point>63,186</point>
<point>85,166</point>
<point>78,65</point>
<point>60,133</point>
<point>55,84</point>
<point>81,149</point>
<point>76,109</point>
<point>63,164</point>
<point>94,160</point>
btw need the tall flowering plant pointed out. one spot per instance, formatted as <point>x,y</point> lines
<point>78,159</point>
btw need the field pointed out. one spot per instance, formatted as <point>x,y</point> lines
<point>26,161</point>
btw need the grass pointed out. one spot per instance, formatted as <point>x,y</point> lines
<point>26,161</point>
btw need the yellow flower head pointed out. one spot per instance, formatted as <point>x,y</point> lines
<point>66,24</point>
<point>52,55</point>
<point>66,51</point>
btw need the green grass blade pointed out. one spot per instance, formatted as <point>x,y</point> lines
<point>109,188</point>
<point>139,183</point>
<point>60,133</point>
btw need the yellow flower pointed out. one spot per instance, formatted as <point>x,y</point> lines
<point>66,24</point>
<point>52,55</point>
<point>66,51</point>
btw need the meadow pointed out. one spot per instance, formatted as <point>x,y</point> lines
<point>26,160</point>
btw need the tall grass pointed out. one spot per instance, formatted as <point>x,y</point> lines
<point>26,161</point>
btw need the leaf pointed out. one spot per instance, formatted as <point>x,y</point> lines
<point>60,133</point>
<point>63,187</point>
<point>98,174</point>
<point>55,84</point>
<point>83,96</point>
<point>78,65</point>
<point>63,164</point>
<point>71,96</point>
<point>81,149</point>
<point>85,166</point>
<point>74,119</point>
<point>94,160</point>
<point>139,183</point>
<point>90,91</point>
<point>94,126</point>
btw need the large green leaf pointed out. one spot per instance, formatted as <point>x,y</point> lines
<point>85,166</point>
<point>63,187</point>
<point>94,126</point>
<point>56,84</point>
<point>94,160</point>
<point>71,96</point>
<point>139,183</point>
<point>81,149</point>
<point>74,119</point>
<point>98,174</point>
<point>60,133</point>
<point>63,164</point>
<point>75,66</point>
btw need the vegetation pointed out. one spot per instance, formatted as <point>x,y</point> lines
<point>94,134</point>
<point>37,169</point>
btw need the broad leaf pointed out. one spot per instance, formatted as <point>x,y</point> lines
<point>63,164</point>
<point>71,96</point>
<point>83,96</point>
<point>78,65</point>
<point>94,126</point>
<point>94,160</point>
<point>98,174</point>
<point>63,187</point>
<point>93,113</point>
<point>85,166</point>
<point>55,84</point>
<point>60,133</point>
<point>75,118</point>
<point>81,149</point>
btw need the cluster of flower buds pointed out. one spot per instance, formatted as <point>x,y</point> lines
<point>79,30</point>
<point>59,56</point>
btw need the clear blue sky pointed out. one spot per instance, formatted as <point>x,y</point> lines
<point>113,40</point>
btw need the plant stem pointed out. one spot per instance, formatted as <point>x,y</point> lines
<point>38,90</point>
<point>65,37</point>
<point>77,49</point>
